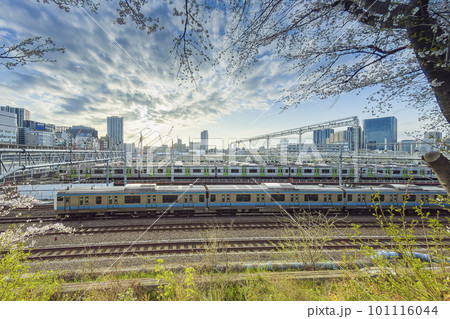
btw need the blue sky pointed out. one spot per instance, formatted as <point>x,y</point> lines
<point>111,69</point>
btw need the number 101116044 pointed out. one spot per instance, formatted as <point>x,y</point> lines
<point>402,310</point>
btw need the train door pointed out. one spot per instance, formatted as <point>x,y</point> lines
<point>405,173</point>
<point>66,203</point>
<point>88,172</point>
<point>206,171</point>
<point>151,201</point>
<point>225,171</point>
<point>73,173</point>
<point>188,200</point>
<point>260,200</point>
<point>327,200</point>
<point>262,171</point>
<point>187,171</point>
<point>294,200</point>
<point>83,202</point>
<point>113,202</point>
<point>128,172</point>
<point>280,171</point>
<point>316,172</point>
<point>334,172</point>
<point>244,171</point>
<point>226,200</point>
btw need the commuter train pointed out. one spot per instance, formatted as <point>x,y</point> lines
<point>152,199</point>
<point>231,172</point>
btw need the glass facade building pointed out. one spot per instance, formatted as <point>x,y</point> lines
<point>114,125</point>
<point>380,133</point>
<point>204,140</point>
<point>320,136</point>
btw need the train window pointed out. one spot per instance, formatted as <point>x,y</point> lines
<point>185,198</point>
<point>132,199</point>
<point>86,200</point>
<point>98,200</point>
<point>380,171</point>
<point>154,198</point>
<point>212,198</point>
<point>228,198</point>
<point>149,199</point>
<point>311,198</point>
<point>81,200</point>
<point>59,198</point>
<point>253,170</point>
<point>396,172</point>
<point>213,170</point>
<point>177,170</point>
<point>118,171</point>
<point>292,197</point>
<point>307,171</point>
<point>349,197</point>
<point>190,198</point>
<point>270,171</point>
<point>144,171</point>
<point>339,198</point>
<point>196,170</point>
<point>81,171</point>
<point>344,171</point>
<point>286,171</point>
<point>243,197</point>
<point>98,171</point>
<point>325,171</point>
<point>413,172</point>
<point>169,198</point>
<point>109,199</point>
<point>219,170</point>
<point>67,200</point>
<point>116,201</point>
<point>223,198</point>
<point>234,170</point>
<point>409,198</point>
<point>201,198</point>
<point>160,170</point>
<point>277,197</point>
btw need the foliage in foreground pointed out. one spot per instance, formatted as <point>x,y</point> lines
<point>18,283</point>
<point>401,272</point>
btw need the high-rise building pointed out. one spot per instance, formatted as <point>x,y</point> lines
<point>320,136</point>
<point>204,140</point>
<point>8,127</point>
<point>115,131</point>
<point>22,114</point>
<point>380,133</point>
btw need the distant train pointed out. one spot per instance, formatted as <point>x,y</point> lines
<point>215,171</point>
<point>152,199</point>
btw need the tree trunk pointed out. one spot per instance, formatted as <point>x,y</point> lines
<point>441,167</point>
<point>435,67</point>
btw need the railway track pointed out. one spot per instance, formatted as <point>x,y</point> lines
<point>203,226</point>
<point>200,246</point>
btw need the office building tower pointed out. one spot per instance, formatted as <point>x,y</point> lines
<point>22,114</point>
<point>320,136</point>
<point>115,132</point>
<point>204,140</point>
<point>380,133</point>
<point>8,127</point>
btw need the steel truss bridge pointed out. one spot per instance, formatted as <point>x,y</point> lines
<point>15,160</point>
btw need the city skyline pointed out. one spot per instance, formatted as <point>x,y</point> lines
<point>112,70</point>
